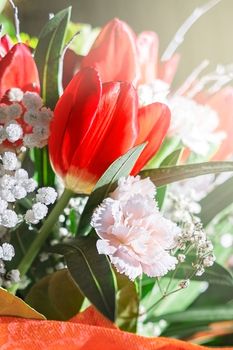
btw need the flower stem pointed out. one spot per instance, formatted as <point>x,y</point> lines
<point>44,232</point>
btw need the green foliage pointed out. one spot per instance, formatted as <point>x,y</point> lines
<point>127,304</point>
<point>91,272</point>
<point>56,296</point>
<point>169,174</point>
<point>172,159</point>
<point>121,167</point>
<point>48,56</point>
<point>216,201</point>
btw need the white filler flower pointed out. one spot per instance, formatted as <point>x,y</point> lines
<point>132,231</point>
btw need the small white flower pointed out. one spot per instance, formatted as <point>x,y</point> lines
<point>184,284</point>
<point>7,181</point>
<point>14,276</point>
<point>7,195</point>
<point>31,117</point>
<point>46,195</point>
<point>29,185</point>
<point>21,174</point>
<point>9,218</point>
<point>8,251</point>
<point>19,192</point>
<point>9,160</point>
<point>13,132</point>
<point>13,111</point>
<point>15,94</point>
<point>3,113</point>
<point>30,217</point>
<point>3,205</point>
<point>32,101</point>
<point>39,210</point>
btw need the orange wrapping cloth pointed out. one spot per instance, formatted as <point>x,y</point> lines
<point>87,331</point>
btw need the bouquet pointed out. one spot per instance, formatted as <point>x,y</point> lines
<point>115,191</point>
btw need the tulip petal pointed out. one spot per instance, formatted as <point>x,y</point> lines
<point>73,116</point>
<point>148,45</point>
<point>154,121</point>
<point>114,53</point>
<point>112,133</point>
<point>167,69</point>
<point>18,69</point>
<point>5,45</point>
<point>222,103</point>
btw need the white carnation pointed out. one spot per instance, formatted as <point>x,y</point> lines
<point>133,233</point>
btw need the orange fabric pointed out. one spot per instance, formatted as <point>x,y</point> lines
<point>87,331</point>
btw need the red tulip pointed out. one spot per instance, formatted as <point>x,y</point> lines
<point>114,53</point>
<point>95,123</point>
<point>118,54</point>
<point>17,68</point>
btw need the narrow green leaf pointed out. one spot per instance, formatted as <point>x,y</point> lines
<point>172,159</point>
<point>121,167</point>
<point>91,271</point>
<point>215,275</point>
<point>48,56</point>
<point>221,313</point>
<point>167,175</point>
<point>216,201</point>
<point>168,147</point>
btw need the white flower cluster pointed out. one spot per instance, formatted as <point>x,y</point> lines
<point>14,185</point>
<point>7,252</point>
<point>195,124</point>
<point>45,196</point>
<point>24,121</point>
<point>192,237</point>
<point>156,91</point>
<point>132,231</point>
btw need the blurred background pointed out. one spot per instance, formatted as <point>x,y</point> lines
<point>210,37</point>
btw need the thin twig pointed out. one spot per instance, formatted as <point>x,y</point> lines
<point>16,17</point>
<point>180,34</point>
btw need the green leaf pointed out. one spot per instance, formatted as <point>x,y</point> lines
<point>221,313</point>
<point>48,56</point>
<point>216,274</point>
<point>167,175</point>
<point>43,171</point>
<point>121,167</point>
<point>91,271</point>
<point>56,296</point>
<point>216,201</point>
<point>172,159</point>
<point>127,304</point>
<point>168,147</point>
